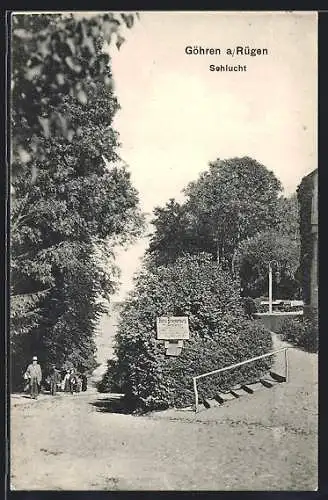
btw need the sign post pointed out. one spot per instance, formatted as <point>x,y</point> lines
<point>173,330</point>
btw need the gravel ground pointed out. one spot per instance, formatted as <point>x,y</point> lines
<point>264,441</point>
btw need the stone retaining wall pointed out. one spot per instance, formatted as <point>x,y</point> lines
<point>273,321</point>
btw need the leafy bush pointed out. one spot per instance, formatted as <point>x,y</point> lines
<point>256,252</point>
<point>111,381</point>
<point>303,332</point>
<point>220,335</point>
<point>250,306</point>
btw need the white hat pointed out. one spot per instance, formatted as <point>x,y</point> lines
<point>35,358</point>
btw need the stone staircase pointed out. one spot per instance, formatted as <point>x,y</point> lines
<point>238,391</point>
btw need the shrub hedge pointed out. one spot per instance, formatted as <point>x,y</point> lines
<point>220,335</point>
<point>250,306</point>
<point>302,332</point>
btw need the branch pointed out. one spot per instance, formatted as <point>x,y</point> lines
<point>20,217</point>
<point>16,295</point>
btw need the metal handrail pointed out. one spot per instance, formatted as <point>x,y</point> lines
<point>220,370</point>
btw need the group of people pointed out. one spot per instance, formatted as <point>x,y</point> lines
<point>70,381</point>
<point>73,381</point>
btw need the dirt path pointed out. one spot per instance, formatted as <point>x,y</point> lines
<point>263,441</point>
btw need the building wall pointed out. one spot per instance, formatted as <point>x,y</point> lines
<point>314,224</point>
<point>308,198</point>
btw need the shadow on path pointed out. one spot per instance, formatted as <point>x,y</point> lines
<point>111,405</point>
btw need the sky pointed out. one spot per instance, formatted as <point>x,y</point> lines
<point>176,115</point>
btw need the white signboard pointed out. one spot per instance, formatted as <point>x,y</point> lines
<point>172,328</point>
<point>173,350</point>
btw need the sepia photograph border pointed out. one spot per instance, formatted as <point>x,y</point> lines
<point>5,255</point>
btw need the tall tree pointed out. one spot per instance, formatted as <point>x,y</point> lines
<point>236,198</point>
<point>233,200</point>
<point>280,244</point>
<point>253,257</point>
<point>71,198</point>
<point>173,234</point>
<point>289,217</point>
<point>55,55</point>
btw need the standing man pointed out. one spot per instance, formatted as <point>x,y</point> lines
<point>34,374</point>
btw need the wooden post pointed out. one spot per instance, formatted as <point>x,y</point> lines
<point>270,288</point>
<point>196,394</point>
<point>286,364</point>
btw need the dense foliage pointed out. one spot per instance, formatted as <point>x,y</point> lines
<point>289,217</point>
<point>233,200</point>
<point>220,334</point>
<point>254,255</point>
<point>72,202</point>
<point>234,211</point>
<point>303,332</point>
<point>54,56</point>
